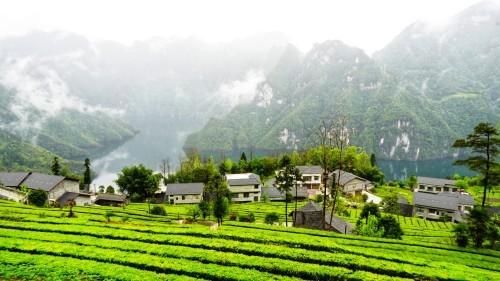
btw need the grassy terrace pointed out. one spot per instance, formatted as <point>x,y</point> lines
<point>39,243</point>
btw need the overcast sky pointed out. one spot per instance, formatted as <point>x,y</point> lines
<point>367,24</point>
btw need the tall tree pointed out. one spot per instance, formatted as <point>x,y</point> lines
<point>165,167</point>
<point>287,177</point>
<point>86,174</point>
<point>217,192</point>
<point>138,180</point>
<point>56,167</point>
<point>243,157</point>
<point>485,145</point>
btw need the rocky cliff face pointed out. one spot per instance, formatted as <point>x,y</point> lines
<point>429,86</point>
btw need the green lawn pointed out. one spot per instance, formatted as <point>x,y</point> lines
<point>41,244</point>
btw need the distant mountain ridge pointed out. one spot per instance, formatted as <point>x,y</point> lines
<point>429,86</point>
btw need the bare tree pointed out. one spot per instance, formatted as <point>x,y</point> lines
<point>340,140</point>
<point>165,167</point>
<point>324,138</point>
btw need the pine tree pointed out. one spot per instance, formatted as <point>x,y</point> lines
<point>56,167</point>
<point>485,145</point>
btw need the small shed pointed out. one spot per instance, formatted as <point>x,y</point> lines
<point>311,215</point>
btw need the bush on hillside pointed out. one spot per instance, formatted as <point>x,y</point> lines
<point>233,216</point>
<point>37,198</point>
<point>248,218</point>
<point>390,227</point>
<point>272,218</point>
<point>461,231</point>
<point>158,210</point>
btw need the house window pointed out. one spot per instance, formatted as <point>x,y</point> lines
<point>307,178</point>
<point>183,197</point>
<point>467,208</point>
<point>316,178</point>
<point>235,195</point>
<point>420,210</point>
<point>422,187</point>
<point>446,189</point>
<point>432,211</point>
<point>256,186</point>
<point>256,198</point>
<point>430,188</point>
<point>438,189</point>
<point>454,189</point>
<point>246,194</point>
<point>176,198</point>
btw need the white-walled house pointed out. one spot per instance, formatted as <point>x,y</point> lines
<point>432,205</point>
<point>57,187</point>
<point>184,193</point>
<point>435,185</point>
<point>312,177</point>
<point>244,187</point>
<point>350,183</point>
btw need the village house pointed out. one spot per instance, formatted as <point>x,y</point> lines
<point>55,186</point>
<point>311,216</point>
<point>244,187</point>
<point>110,199</point>
<point>181,193</point>
<point>436,185</point>
<point>350,183</point>
<point>312,179</point>
<point>441,205</point>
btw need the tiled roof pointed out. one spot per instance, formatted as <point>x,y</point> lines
<point>443,200</point>
<point>110,197</point>
<point>274,192</point>
<point>242,179</point>
<point>311,207</point>
<point>435,181</point>
<point>345,177</point>
<point>13,179</point>
<point>42,181</point>
<point>308,170</point>
<point>184,188</point>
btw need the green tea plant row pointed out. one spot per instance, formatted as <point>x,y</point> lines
<point>298,254</point>
<point>271,265</point>
<point>294,241</point>
<point>28,266</point>
<point>139,260</point>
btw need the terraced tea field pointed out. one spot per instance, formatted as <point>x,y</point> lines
<point>40,244</point>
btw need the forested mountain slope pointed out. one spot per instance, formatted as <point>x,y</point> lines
<point>409,101</point>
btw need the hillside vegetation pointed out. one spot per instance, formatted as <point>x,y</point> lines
<point>137,246</point>
<point>409,101</point>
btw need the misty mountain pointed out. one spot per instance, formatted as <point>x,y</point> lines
<point>78,98</point>
<point>410,101</point>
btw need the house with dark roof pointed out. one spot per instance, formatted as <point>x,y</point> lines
<point>436,185</point>
<point>432,205</point>
<point>350,183</point>
<point>244,187</point>
<point>312,177</point>
<point>311,215</point>
<point>110,199</point>
<point>181,193</point>
<point>55,186</point>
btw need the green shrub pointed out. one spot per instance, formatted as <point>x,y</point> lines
<point>391,227</point>
<point>318,198</point>
<point>233,216</point>
<point>158,210</point>
<point>271,218</point>
<point>248,218</point>
<point>461,231</point>
<point>107,215</point>
<point>37,198</point>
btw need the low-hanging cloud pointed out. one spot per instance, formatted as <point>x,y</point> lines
<point>39,93</point>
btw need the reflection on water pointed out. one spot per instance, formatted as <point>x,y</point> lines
<point>439,168</point>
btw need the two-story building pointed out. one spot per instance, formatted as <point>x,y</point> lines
<point>435,185</point>
<point>245,187</point>
<point>184,193</point>
<point>312,179</point>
